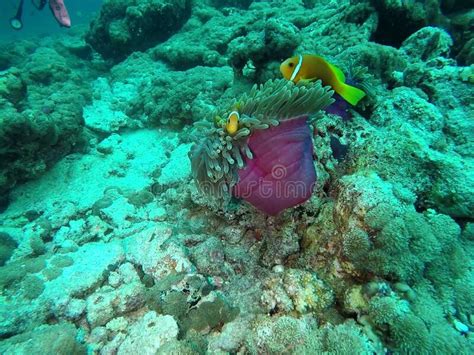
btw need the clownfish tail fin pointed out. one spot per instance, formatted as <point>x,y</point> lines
<point>350,93</point>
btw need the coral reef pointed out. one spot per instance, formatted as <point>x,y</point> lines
<point>149,334</point>
<point>296,290</point>
<point>124,27</point>
<point>41,100</point>
<point>108,245</point>
<point>173,100</point>
<point>59,338</point>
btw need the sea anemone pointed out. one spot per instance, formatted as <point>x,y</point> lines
<point>218,156</point>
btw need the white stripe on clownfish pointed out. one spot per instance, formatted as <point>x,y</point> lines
<point>298,67</point>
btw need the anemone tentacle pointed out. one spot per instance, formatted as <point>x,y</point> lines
<point>217,157</point>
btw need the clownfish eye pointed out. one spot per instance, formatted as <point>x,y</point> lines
<point>291,64</point>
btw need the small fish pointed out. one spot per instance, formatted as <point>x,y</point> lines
<point>232,124</point>
<point>339,150</point>
<point>309,67</point>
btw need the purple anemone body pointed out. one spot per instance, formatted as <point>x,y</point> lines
<point>281,174</point>
<point>339,107</point>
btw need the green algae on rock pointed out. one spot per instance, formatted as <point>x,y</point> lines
<point>124,27</point>
<point>7,247</point>
<point>12,86</point>
<point>41,114</point>
<point>58,338</point>
<point>173,99</point>
<point>191,300</point>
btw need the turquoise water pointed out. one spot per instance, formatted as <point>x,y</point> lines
<point>42,23</point>
<point>223,177</point>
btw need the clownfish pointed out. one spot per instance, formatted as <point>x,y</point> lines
<point>232,124</point>
<point>309,67</point>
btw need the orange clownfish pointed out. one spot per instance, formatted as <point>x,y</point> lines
<point>232,124</point>
<point>309,67</point>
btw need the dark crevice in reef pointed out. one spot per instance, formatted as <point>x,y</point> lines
<point>390,33</point>
<point>420,205</point>
<point>51,319</point>
<point>450,6</point>
<point>4,202</point>
<point>462,222</point>
<point>398,20</point>
<point>5,336</point>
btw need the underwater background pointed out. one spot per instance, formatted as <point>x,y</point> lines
<point>153,200</point>
<point>41,23</point>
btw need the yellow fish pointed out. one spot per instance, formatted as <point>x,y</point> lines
<point>309,67</point>
<point>232,124</point>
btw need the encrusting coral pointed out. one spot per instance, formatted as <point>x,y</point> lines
<point>218,157</point>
